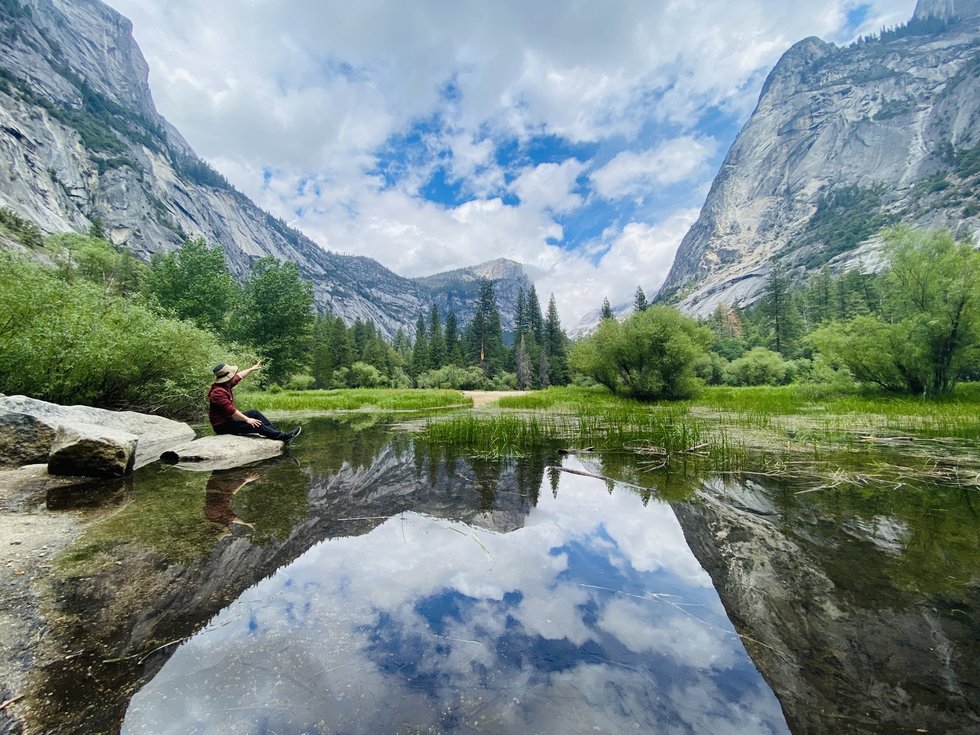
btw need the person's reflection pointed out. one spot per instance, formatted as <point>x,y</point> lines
<point>222,487</point>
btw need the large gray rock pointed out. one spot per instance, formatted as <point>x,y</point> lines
<point>155,433</point>
<point>222,452</point>
<point>24,440</point>
<point>92,451</point>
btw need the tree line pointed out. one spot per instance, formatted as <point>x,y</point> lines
<point>913,328</point>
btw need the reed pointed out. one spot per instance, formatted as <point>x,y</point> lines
<point>353,399</point>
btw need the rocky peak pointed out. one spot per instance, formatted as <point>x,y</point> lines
<point>946,9</point>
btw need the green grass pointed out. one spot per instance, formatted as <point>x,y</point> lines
<point>353,399</point>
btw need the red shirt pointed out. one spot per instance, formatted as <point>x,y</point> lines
<point>221,401</point>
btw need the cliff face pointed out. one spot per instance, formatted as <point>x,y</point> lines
<point>80,139</point>
<point>843,142</point>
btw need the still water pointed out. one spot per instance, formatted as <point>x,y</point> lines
<point>367,583</point>
<point>592,616</point>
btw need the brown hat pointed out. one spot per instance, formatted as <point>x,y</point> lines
<point>223,373</point>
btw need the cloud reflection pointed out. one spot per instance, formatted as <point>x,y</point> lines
<point>593,617</point>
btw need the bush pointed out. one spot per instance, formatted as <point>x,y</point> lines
<point>759,366</point>
<point>85,345</point>
<point>300,382</point>
<point>362,375</point>
<point>710,367</point>
<point>451,377</point>
<point>648,356</point>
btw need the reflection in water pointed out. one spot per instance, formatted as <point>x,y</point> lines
<point>593,616</point>
<point>222,487</point>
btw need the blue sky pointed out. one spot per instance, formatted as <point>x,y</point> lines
<point>577,138</point>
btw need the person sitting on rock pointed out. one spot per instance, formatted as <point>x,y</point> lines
<point>227,419</point>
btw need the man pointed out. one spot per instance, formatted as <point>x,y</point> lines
<point>224,415</point>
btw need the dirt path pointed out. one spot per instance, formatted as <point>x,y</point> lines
<point>483,398</point>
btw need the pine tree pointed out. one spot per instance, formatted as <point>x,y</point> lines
<point>640,300</point>
<point>437,343</point>
<point>780,312</point>
<point>525,375</point>
<point>607,312</point>
<point>535,320</point>
<point>556,344</point>
<point>520,315</point>
<point>485,343</point>
<point>543,368</point>
<point>454,350</point>
<point>420,353</point>
<point>321,361</point>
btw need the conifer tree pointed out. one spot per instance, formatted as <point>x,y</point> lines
<point>780,312</point>
<point>420,353</point>
<point>556,345</point>
<point>437,343</point>
<point>522,364</point>
<point>535,320</point>
<point>485,343</point>
<point>454,350</point>
<point>607,312</point>
<point>520,315</point>
<point>640,300</point>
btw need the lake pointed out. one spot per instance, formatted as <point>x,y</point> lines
<point>367,582</point>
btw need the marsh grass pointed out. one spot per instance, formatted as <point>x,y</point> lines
<point>352,399</point>
<point>809,432</point>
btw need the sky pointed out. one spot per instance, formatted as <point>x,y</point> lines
<point>578,138</point>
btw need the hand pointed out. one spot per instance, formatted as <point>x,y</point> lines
<point>256,366</point>
<point>254,423</point>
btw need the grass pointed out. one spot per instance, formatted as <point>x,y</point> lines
<point>789,431</point>
<point>352,399</point>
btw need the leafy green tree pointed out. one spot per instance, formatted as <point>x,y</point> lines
<point>193,283</point>
<point>97,261</point>
<point>650,355</point>
<point>928,334</point>
<point>86,345</point>
<point>275,314</point>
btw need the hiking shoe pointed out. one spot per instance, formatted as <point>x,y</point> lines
<point>294,433</point>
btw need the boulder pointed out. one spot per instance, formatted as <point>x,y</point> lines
<point>24,440</point>
<point>155,433</point>
<point>222,452</point>
<point>92,451</point>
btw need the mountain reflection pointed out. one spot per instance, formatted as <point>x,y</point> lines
<point>590,614</point>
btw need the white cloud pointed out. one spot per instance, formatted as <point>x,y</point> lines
<point>675,161</point>
<point>310,90</point>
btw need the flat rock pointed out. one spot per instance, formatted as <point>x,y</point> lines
<point>155,433</point>
<point>91,450</point>
<point>222,452</point>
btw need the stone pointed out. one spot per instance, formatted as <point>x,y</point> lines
<point>222,452</point>
<point>92,451</point>
<point>155,433</point>
<point>24,440</point>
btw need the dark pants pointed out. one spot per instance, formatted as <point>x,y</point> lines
<point>267,429</point>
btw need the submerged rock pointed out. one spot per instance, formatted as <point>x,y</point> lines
<point>222,452</point>
<point>92,451</point>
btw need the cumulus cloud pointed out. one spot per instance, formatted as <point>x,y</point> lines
<point>629,173</point>
<point>297,103</point>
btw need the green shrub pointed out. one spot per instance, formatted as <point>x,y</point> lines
<point>648,356</point>
<point>362,375</point>
<point>759,366</point>
<point>710,367</point>
<point>451,377</point>
<point>300,382</point>
<point>79,343</point>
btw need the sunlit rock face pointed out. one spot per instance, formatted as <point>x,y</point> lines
<point>874,132</point>
<point>80,139</point>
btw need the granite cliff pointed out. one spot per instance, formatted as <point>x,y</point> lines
<point>81,141</point>
<point>843,142</point>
